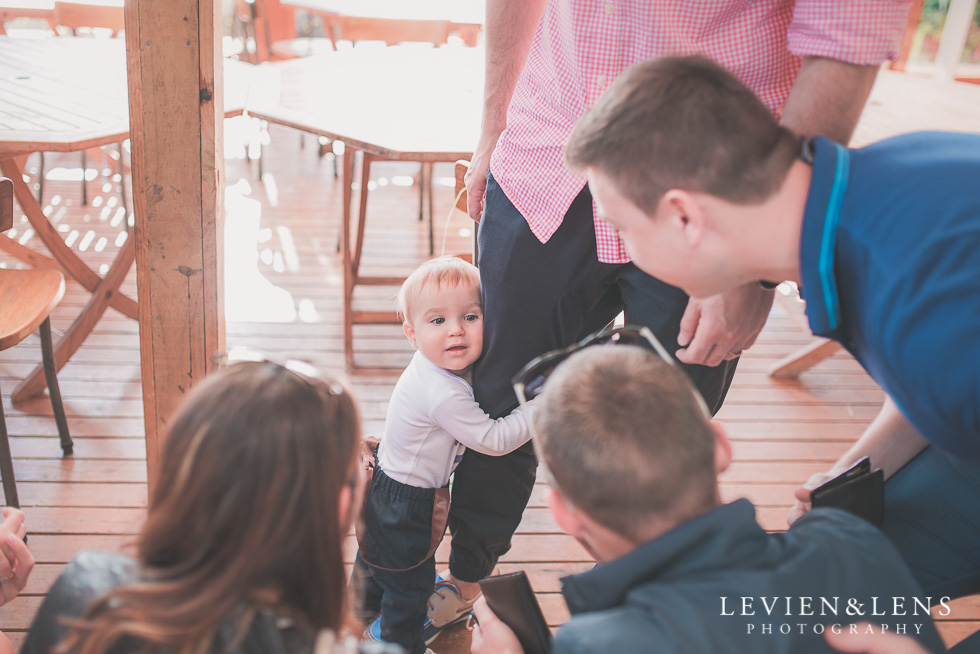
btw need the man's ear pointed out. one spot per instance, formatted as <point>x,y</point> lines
<point>683,212</point>
<point>410,333</point>
<point>566,515</point>
<point>723,448</point>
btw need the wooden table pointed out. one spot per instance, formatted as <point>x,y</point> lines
<point>465,17</point>
<point>65,95</point>
<point>899,103</point>
<point>11,9</point>
<point>404,103</point>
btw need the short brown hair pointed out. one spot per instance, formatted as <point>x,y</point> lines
<point>683,122</point>
<point>625,440</point>
<point>448,271</point>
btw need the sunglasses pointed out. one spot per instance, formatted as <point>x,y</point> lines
<point>304,370</point>
<point>529,381</point>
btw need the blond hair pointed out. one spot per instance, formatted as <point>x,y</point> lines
<point>447,271</point>
<point>625,440</point>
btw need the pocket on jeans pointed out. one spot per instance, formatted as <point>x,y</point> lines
<point>397,524</point>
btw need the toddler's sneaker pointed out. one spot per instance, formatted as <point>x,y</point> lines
<point>446,608</point>
<point>373,633</point>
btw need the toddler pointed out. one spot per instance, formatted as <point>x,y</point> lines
<point>432,418</point>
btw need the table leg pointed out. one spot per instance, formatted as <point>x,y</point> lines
<point>69,261</point>
<point>102,296</point>
<point>366,160</point>
<point>348,179</point>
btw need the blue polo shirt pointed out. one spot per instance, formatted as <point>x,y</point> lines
<point>890,262</point>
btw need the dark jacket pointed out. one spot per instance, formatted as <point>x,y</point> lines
<point>92,574</point>
<point>667,596</point>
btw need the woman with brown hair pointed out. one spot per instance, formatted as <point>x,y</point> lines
<point>257,486</point>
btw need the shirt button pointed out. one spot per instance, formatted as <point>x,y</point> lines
<point>600,80</point>
<point>609,9</point>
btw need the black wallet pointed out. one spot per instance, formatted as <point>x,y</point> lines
<point>512,600</point>
<point>859,490</point>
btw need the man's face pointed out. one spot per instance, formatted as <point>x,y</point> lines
<point>659,244</point>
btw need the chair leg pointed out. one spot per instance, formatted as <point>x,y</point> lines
<point>432,220</point>
<point>122,185</point>
<point>7,465</point>
<point>40,179</point>
<point>47,354</point>
<point>84,171</point>
<point>421,191</point>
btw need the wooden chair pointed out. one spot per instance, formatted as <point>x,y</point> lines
<point>252,25</point>
<point>77,15</point>
<point>70,17</point>
<point>393,31</point>
<point>27,298</point>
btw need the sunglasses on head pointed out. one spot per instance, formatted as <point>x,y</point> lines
<point>304,370</point>
<point>529,381</point>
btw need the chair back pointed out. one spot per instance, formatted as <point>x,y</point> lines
<point>76,15</point>
<point>391,30</point>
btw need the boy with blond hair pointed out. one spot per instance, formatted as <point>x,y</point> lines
<point>633,463</point>
<point>432,418</point>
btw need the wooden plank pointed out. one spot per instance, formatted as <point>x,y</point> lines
<point>176,115</point>
<point>790,367</point>
<point>959,18</point>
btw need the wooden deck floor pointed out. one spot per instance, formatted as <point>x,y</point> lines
<point>283,294</point>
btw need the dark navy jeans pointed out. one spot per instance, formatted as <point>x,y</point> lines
<point>538,297</point>
<point>932,515</point>
<point>397,526</point>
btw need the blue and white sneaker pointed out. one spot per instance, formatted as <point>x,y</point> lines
<point>373,633</point>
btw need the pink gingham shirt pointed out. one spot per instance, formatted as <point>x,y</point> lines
<point>582,45</point>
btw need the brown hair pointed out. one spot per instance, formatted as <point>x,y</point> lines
<point>245,502</point>
<point>683,122</point>
<point>448,271</point>
<point>625,440</point>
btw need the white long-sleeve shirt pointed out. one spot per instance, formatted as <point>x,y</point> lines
<point>432,418</point>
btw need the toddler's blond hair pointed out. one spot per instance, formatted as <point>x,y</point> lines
<point>447,271</point>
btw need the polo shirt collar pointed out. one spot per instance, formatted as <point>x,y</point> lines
<point>828,186</point>
<point>718,539</point>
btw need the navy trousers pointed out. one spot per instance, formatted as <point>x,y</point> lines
<point>538,297</point>
<point>397,524</point>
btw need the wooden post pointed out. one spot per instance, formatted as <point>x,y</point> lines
<point>176,109</point>
<point>959,17</point>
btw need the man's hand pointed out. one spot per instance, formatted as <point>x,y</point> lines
<point>490,635</point>
<point>718,328</point>
<point>16,561</point>
<point>802,495</point>
<point>476,176</point>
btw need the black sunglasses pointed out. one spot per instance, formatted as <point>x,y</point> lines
<point>529,381</point>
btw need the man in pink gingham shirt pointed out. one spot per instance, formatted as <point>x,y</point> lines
<point>552,270</point>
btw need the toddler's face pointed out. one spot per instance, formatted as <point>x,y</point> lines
<point>446,325</point>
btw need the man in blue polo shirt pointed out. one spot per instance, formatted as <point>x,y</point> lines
<point>709,192</point>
